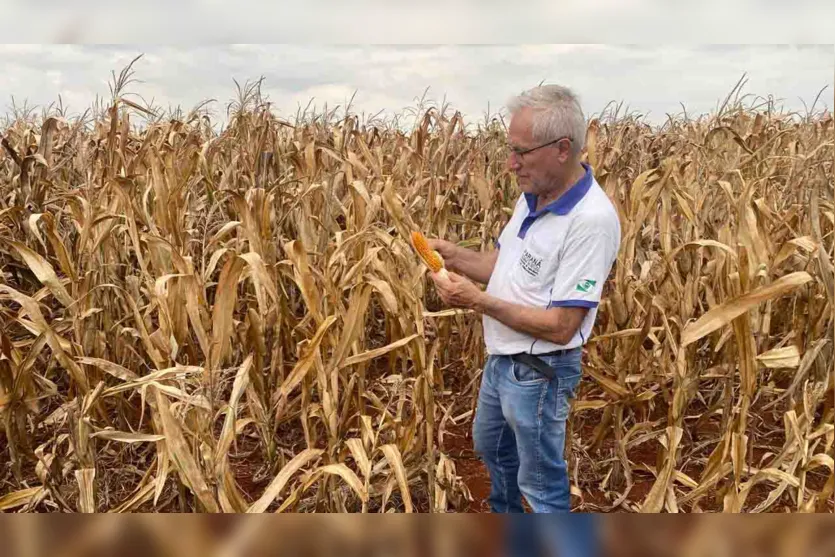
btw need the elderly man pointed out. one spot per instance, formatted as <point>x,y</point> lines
<point>544,283</point>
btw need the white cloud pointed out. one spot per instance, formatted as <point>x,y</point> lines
<point>432,21</point>
<point>390,78</point>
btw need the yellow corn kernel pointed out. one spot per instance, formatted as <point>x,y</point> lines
<point>431,258</point>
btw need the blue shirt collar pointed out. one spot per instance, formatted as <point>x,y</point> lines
<point>567,201</point>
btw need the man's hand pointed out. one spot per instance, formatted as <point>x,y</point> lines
<point>557,325</point>
<point>457,291</point>
<point>474,265</point>
<point>448,252</point>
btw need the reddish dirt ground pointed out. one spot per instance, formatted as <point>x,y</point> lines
<point>458,445</point>
<point>474,474</point>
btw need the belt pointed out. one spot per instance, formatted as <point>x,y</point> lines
<point>536,362</point>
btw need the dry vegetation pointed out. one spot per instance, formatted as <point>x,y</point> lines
<point>195,321</point>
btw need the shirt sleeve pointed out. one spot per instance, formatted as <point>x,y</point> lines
<point>585,265</point>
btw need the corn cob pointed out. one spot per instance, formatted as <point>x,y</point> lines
<point>430,257</point>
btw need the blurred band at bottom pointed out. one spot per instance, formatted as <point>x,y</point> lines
<point>452,535</point>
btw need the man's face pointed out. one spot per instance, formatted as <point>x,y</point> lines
<point>539,170</point>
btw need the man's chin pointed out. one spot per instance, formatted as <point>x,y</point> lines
<point>524,185</point>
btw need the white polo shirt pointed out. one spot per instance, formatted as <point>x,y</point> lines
<point>559,256</point>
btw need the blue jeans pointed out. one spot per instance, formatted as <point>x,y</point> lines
<point>519,432</point>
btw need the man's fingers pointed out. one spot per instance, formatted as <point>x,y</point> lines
<point>439,279</point>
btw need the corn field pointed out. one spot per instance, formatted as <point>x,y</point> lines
<point>195,321</point>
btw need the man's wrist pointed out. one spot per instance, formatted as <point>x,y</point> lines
<point>483,302</point>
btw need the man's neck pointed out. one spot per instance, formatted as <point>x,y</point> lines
<point>560,188</point>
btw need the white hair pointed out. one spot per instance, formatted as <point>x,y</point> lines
<point>559,115</point>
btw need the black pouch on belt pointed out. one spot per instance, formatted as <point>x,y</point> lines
<point>536,363</point>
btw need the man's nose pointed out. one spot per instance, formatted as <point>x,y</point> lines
<point>513,162</point>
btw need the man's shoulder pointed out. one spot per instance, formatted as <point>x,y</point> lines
<point>597,210</point>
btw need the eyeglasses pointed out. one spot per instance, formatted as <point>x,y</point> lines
<point>520,152</point>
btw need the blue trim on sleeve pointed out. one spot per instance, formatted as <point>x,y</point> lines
<point>563,204</point>
<point>572,303</point>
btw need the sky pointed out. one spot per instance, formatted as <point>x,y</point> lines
<point>427,21</point>
<point>649,80</point>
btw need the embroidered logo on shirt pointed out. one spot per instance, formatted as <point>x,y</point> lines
<point>530,264</point>
<point>586,285</point>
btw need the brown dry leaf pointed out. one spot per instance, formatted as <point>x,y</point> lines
<point>261,279</point>
<point>610,386</point>
<point>387,294</point>
<point>352,320</point>
<point>126,437</point>
<point>360,456</point>
<point>230,497</point>
<point>656,498</point>
<point>224,230</point>
<point>377,352</point>
<point>31,307</point>
<point>113,369</point>
<point>224,307</point>
<point>786,357</point>
<point>199,401</point>
<point>806,243</point>
<point>392,454</point>
<point>278,483</point>
<point>483,191</point>
<point>706,243</point>
<point>725,313</point>
<point>304,277</point>
<point>19,498</point>
<point>821,460</point>
<point>143,494</point>
<point>45,273</point>
<point>238,387</point>
<point>193,311</point>
<point>350,478</point>
<point>305,362</point>
<point>181,455</point>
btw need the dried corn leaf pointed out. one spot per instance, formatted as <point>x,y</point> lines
<point>395,460</point>
<point>277,484</point>
<point>126,437</point>
<point>45,273</point>
<point>113,369</point>
<point>350,478</point>
<point>305,362</point>
<point>19,498</point>
<point>786,357</point>
<point>181,455</point>
<point>360,456</point>
<point>725,313</point>
<point>377,352</point>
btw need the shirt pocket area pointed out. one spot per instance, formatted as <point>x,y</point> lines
<point>530,268</point>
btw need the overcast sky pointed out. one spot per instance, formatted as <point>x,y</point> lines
<point>653,80</point>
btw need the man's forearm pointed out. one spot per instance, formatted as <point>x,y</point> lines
<point>552,325</point>
<point>476,265</point>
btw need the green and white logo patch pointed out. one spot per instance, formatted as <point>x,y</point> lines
<point>586,285</point>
